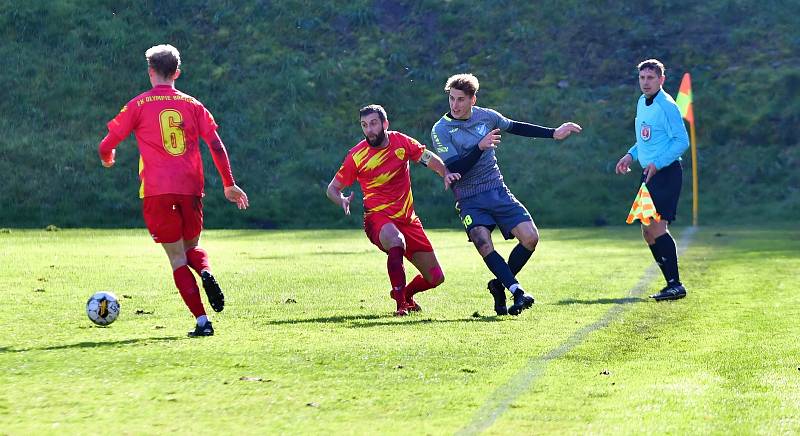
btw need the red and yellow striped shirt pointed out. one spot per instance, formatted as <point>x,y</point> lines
<point>384,175</point>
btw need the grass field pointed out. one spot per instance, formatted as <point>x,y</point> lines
<point>307,343</point>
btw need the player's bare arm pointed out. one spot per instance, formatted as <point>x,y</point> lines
<point>334,193</point>
<point>565,130</point>
<point>449,178</point>
<point>235,194</point>
<point>435,163</point>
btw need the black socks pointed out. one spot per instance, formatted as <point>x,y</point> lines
<point>666,255</point>
<point>518,258</point>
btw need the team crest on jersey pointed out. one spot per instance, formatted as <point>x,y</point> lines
<point>645,131</point>
<point>483,130</point>
<point>400,153</point>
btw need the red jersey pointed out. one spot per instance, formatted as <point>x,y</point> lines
<point>167,124</point>
<point>384,175</point>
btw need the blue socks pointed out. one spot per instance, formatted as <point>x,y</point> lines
<point>498,266</point>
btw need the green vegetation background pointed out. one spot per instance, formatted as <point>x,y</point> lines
<point>285,80</point>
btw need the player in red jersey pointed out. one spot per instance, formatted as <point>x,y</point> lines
<point>167,124</point>
<point>380,165</point>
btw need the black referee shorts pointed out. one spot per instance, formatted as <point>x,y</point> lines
<point>665,189</point>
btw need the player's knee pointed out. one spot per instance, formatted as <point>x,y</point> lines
<point>482,242</point>
<point>436,276</point>
<point>178,261</point>
<point>484,246</point>
<point>393,241</point>
<point>648,235</point>
<point>530,241</point>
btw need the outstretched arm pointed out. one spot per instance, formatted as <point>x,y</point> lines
<point>533,131</point>
<point>565,130</point>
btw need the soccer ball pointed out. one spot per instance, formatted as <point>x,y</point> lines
<point>102,308</point>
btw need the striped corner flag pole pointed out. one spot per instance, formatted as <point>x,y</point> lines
<point>643,208</point>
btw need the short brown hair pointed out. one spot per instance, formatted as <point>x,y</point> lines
<point>164,59</point>
<point>463,82</point>
<point>372,109</point>
<point>653,64</point>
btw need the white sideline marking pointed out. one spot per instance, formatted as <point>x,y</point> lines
<point>521,382</point>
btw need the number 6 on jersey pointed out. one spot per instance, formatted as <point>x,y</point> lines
<point>171,131</point>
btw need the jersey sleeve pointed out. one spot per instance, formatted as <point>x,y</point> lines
<point>207,125</point>
<point>413,148</point>
<point>443,143</point>
<point>500,122</point>
<point>122,125</point>
<point>347,172</point>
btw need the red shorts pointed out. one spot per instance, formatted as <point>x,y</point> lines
<point>171,217</point>
<point>416,239</point>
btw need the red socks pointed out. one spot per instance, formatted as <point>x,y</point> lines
<point>418,284</point>
<point>394,264</point>
<point>198,259</point>
<point>187,286</point>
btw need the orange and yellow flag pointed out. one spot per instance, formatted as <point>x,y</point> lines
<point>684,100</point>
<point>643,208</point>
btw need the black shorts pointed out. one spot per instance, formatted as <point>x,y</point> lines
<point>490,209</point>
<point>665,189</point>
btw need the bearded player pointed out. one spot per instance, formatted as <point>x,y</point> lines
<point>379,163</point>
<point>167,124</point>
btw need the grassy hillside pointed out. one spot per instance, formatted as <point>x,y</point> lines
<point>285,80</point>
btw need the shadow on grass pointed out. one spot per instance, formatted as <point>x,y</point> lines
<point>91,344</point>
<point>328,319</point>
<point>410,320</point>
<point>380,320</point>
<point>626,300</point>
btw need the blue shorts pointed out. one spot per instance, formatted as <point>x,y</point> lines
<point>665,189</point>
<point>497,207</point>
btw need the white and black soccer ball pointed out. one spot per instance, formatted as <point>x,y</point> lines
<point>102,308</point>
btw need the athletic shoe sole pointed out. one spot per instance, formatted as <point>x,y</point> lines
<point>215,296</point>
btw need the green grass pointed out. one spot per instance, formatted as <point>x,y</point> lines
<point>724,360</point>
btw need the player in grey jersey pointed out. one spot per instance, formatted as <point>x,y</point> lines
<point>466,138</point>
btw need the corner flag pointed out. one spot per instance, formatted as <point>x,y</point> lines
<point>684,102</point>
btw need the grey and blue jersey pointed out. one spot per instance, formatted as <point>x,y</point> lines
<point>453,139</point>
<point>661,136</point>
